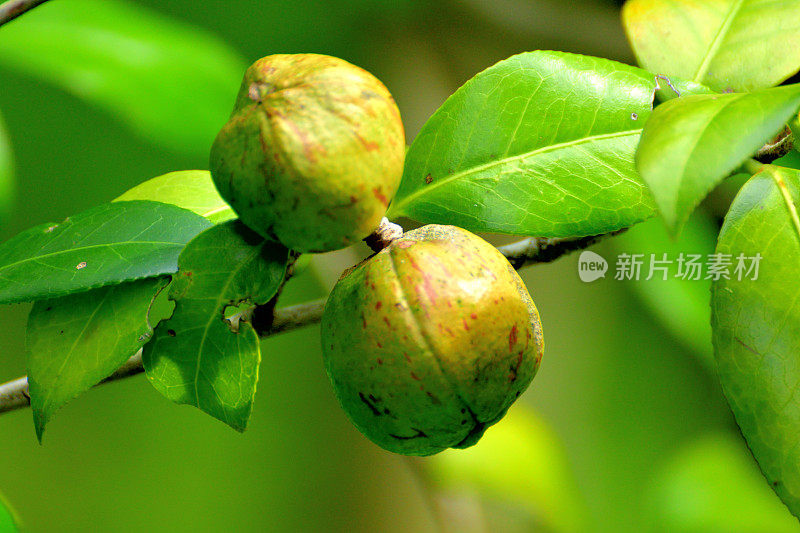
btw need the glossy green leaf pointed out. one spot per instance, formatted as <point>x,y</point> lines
<point>6,175</point>
<point>107,244</point>
<point>539,144</point>
<point>728,45</point>
<point>519,462</point>
<point>756,327</point>
<point>190,189</point>
<point>76,341</point>
<point>8,522</point>
<point>690,325</point>
<point>197,357</point>
<point>170,82</point>
<point>690,144</point>
<point>712,485</point>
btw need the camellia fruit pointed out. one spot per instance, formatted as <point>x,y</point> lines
<point>312,153</point>
<point>429,341</point>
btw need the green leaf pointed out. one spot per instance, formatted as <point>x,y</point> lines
<point>170,82</point>
<point>190,189</point>
<point>197,357</point>
<point>76,341</point>
<point>728,45</point>
<point>712,485</point>
<point>662,297</point>
<point>104,245</point>
<point>519,462</point>
<point>690,144</point>
<point>6,175</point>
<point>756,327</point>
<point>539,144</point>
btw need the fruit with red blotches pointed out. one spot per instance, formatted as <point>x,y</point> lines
<point>429,341</point>
<point>312,153</point>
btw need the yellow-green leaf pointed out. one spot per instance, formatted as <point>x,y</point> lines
<point>692,143</point>
<point>728,45</point>
<point>190,189</point>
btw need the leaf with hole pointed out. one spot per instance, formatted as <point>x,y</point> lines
<point>171,82</point>
<point>107,244</point>
<point>76,341</point>
<point>756,324</point>
<point>190,189</point>
<point>207,353</point>
<point>728,45</point>
<point>539,144</point>
<point>692,143</point>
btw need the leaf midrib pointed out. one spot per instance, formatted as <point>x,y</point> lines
<point>235,272</point>
<point>78,338</point>
<point>702,69</point>
<point>89,247</point>
<point>498,162</point>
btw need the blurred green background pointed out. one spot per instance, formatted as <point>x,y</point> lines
<point>624,428</point>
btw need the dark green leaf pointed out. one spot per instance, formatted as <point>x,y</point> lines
<point>539,144</point>
<point>690,144</point>
<point>76,341</point>
<point>728,45</point>
<point>190,189</point>
<point>107,244</point>
<point>756,326</point>
<point>199,358</point>
<point>712,485</point>
<point>170,82</point>
<point>6,175</point>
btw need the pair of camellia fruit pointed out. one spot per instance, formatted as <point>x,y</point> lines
<point>428,341</point>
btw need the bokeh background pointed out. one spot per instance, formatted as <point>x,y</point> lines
<point>624,429</point>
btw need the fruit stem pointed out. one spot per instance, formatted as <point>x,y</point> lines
<point>383,235</point>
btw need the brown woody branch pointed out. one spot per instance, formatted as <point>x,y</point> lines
<point>269,321</point>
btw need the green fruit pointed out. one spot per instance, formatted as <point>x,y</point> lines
<point>313,152</point>
<point>429,341</point>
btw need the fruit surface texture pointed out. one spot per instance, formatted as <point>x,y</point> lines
<point>428,342</point>
<point>312,153</point>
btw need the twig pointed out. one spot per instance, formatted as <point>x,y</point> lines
<point>544,250</point>
<point>14,8</point>
<point>777,147</point>
<point>14,394</point>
